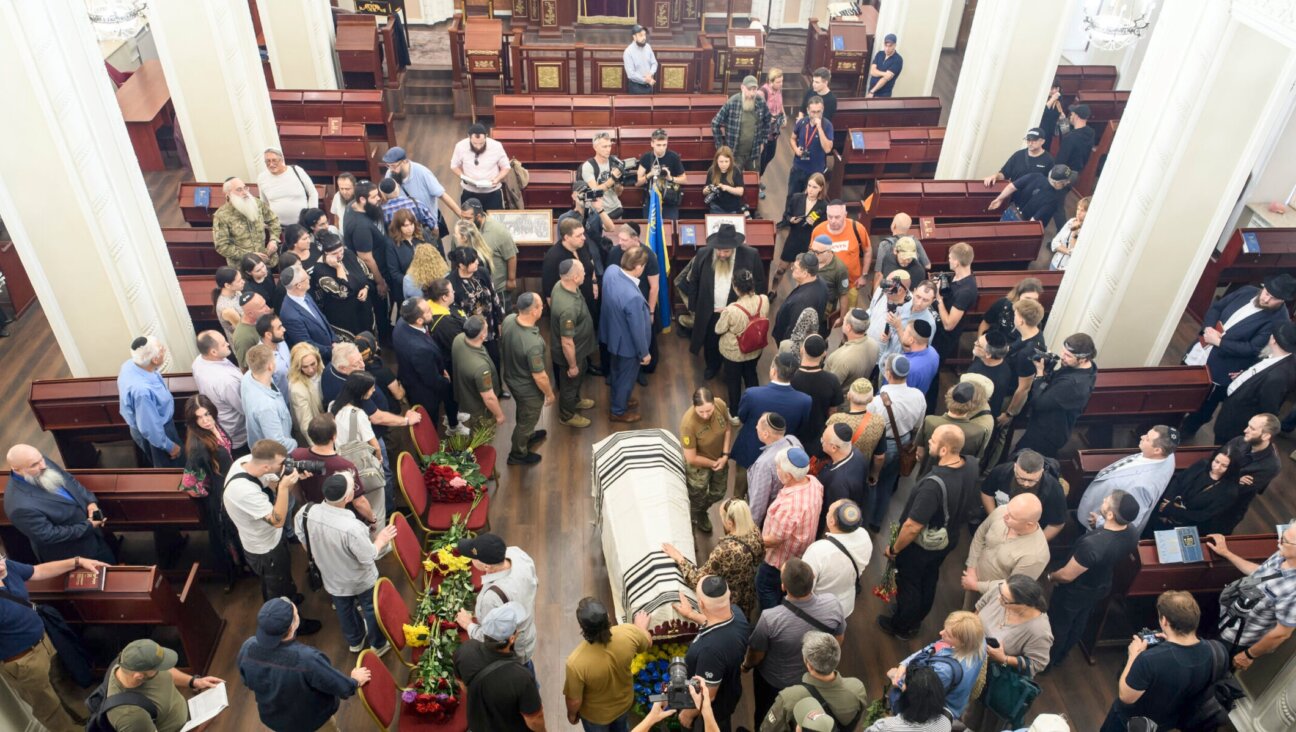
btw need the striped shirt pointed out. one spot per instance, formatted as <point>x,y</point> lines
<point>1278,606</point>
<point>793,517</point>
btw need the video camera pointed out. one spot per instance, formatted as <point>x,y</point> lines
<point>893,286</point>
<point>1051,360</point>
<point>588,195</point>
<point>614,163</point>
<point>676,694</point>
<point>306,466</point>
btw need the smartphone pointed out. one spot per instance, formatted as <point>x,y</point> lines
<point>97,515</point>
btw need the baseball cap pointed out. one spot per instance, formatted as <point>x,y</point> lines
<point>485,548</point>
<point>334,487</point>
<point>273,621</point>
<point>889,38</point>
<point>1081,111</point>
<point>809,713</point>
<point>749,81</point>
<point>501,623</point>
<point>1034,133</point>
<point>1059,172</point>
<point>393,155</point>
<point>145,655</point>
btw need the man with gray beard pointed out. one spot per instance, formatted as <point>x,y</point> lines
<point>709,288</point>
<point>244,225</point>
<point>56,513</point>
<point>743,125</point>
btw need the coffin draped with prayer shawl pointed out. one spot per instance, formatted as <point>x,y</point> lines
<point>641,502</point>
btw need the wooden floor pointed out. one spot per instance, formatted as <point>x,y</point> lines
<point>547,510</point>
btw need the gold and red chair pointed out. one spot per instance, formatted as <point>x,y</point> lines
<point>382,699</point>
<point>432,517</point>
<point>393,614</point>
<point>428,442</point>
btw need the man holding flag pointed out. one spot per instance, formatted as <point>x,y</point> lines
<point>627,239</point>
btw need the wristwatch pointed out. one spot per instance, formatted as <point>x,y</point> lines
<point>192,679</point>
<point>1247,652</point>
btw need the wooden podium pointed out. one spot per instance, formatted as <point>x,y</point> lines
<point>142,596</point>
<point>483,43</point>
<point>746,54</point>
<point>849,41</point>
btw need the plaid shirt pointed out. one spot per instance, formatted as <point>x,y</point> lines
<point>422,214</point>
<point>1278,605</point>
<point>727,125</point>
<point>793,517</point>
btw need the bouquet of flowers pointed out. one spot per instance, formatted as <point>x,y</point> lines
<point>886,591</point>
<point>651,671</point>
<point>447,485</point>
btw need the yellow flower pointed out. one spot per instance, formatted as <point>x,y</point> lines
<point>428,565</point>
<point>416,636</point>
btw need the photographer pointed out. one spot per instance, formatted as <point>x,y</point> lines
<point>812,140</point>
<point>605,172</point>
<point>600,229</point>
<point>1258,612</point>
<point>956,293</point>
<point>253,481</point>
<point>662,167</point>
<point>717,651</point>
<point>723,191</point>
<point>1059,394</point>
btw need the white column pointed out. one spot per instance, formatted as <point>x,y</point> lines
<point>1011,56</point>
<point>73,197</point>
<point>919,26</point>
<point>1214,87</point>
<point>209,54</point>
<point>1275,708</point>
<point>300,37</point>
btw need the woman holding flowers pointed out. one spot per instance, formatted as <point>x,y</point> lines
<point>735,558</point>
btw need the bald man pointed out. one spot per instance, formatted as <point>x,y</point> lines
<point>886,259</point>
<point>1008,542</point>
<point>54,511</point>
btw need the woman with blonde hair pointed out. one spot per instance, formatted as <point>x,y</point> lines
<point>772,90</point>
<point>958,658</point>
<point>427,267</point>
<point>723,189</point>
<point>305,369</point>
<point>1064,242</point>
<point>466,234</point>
<point>735,558</point>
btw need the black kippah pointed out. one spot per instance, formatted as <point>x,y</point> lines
<point>138,343</point>
<point>714,586</point>
<point>776,421</point>
<point>843,432</point>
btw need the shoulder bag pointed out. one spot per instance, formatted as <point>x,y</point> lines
<point>934,540</point>
<point>313,576</point>
<point>847,726</point>
<point>908,451</point>
<point>1008,692</point>
<point>810,620</point>
<point>360,453</point>
<point>68,648</point>
<point>854,564</point>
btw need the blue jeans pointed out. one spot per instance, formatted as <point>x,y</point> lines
<point>158,457</point>
<point>625,369</point>
<point>887,480</point>
<point>620,724</point>
<point>354,614</point>
<point>769,586</point>
<point>1011,214</point>
<point>797,179</point>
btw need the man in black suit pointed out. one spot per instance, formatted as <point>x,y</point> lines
<point>724,256</point>
<point>1236,328</point>
<point>1261,388</point>
<point>424,368</point>
<point>54,511</point>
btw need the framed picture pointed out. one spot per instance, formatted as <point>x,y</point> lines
<point>528,226</point>
<point>713,222</point>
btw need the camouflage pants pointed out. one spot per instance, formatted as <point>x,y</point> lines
<point>705,487</point>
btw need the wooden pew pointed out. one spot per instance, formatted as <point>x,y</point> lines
<point>992,286</point>
<point>196,215</point>
<point>875,154</point>
<point>760,235</point>
<point>1104,106</point>
<point>143,596</point>
<point>605,110</point>
<point>998,245</point>
<point>196,290</point>
<point>550,189</point>
<point>192,251</point>
<point>1153,394</point>
<point>1077,78</point>
<point>1234,266</point>
<point>1084,466</point>
<point>132,500</point>
<point>877,112</point>
<point>553,147</point>
<point>360,106</point>
<point>946,200</point>
<point>80,412</point>
<point>327,154</point>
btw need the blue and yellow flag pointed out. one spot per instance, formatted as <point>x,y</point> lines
<point>657,243</point>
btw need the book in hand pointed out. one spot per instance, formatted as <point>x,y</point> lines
<point>1179,546</point>
<point>85,580</point>
<point>205,706</point>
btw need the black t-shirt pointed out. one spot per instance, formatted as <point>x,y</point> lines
<point>1077,146</point>
<point>925,505</point>
<point>999,316</point>
<point>825,391</point>
<point>1003,378</point>
<point>846,479</point>
<point>500,700</point>
<point>1172,678</point>
<point>962,295</point>
<point>1036,198</point>
<point>555,255</point>
<point>1020,163</point>
<point>358,233</point>
<point>716,654</point>
<point>1099,551</point>
<point>829,102</point>
<point>999,483</point>
<point>1019,355</point>
<point>670,161</point>
<point>651,268</point>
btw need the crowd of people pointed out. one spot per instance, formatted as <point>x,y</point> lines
<point>287,439</point>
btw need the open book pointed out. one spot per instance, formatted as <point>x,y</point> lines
<point>205,706</point>
<point>1179,546</point>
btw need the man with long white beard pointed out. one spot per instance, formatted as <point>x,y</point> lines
<point>52,509</point>
<point>743,124</point>
<point>244,225</point>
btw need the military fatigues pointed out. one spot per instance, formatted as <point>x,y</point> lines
<point>705,486</point>
<point>522,356</point>
<point>235,237</point>
<point>569,317</point>
<point>837,278</point>
<point>473,373</point>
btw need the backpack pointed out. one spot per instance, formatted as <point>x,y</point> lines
<point>1211,708</point>
<point>100,703</point>
<point>755,336</point>
<point>927,658</point>
<point>838,725</point>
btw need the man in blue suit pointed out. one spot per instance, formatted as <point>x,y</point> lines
<point>424,368</point>
<point>52,509</point>
<point>777,396</point>
<point>1236,328</point>
<point>301,317</point>
<point>625,327</point>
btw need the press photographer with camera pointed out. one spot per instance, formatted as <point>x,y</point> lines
<point>1061,389</point>
<point>256,499</point>
<point>605,172</point>
<point>956,293</point>
<point>717,651</point>
<point>723,190</point>
<point>662,167</point>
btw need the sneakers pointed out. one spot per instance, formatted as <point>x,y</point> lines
<point>576,420</point>
<point>887,624</point>
<point>733,420</point>
<point>585,404</point>
<point>537,437</point>
<point>531,458</point>
<point>627,417</point>
<point>383,651</point>
<point>358,647</point>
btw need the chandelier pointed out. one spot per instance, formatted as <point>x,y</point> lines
<point>1112,30</point>
<point>117,19</point>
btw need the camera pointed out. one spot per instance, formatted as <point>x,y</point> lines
<point>709,194</point>
<point>306,466</point>
<point>1051,360</point>
<point>944,281</point>
<point>676,694</point>
<point>589,195</point>
<point>1149,636</point>
<point>614,164</point>
<point>891,287</point>
<point>97,515</point>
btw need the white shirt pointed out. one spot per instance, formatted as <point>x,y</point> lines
<point>338,209</point>
<point>287,193</point>
<point>1060,260</point>
<point>364,429</point>
<point>1261,366</point>
<point>720,293</point>
<point>248,506</point>
<point>833,571</point>
<point>907,403</point>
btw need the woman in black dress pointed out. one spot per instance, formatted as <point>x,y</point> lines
<point>299,242</point>
<point>1199,496</point>
<point>340,284</point>
<point>256,278</point>
<point>803,212</point>
<point>207,462</point>
<point>475,295</point>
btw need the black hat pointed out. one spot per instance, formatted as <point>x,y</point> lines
<point>485,548</point>
<point>922,328</point>
<point>1034,133</point>
<point>725,237</point>
<point>636,29</point>
<point>1285,336</point>
<point>1059,172</point>
<point>776,421</point>
<point>335,486</point>
<point>247,296</point>
<point>714,586</point>
<point>1081,111</point>
<point>996,339</point>
<point>387,186</point>
<point>1281,286</point>
<point>633,227</point>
